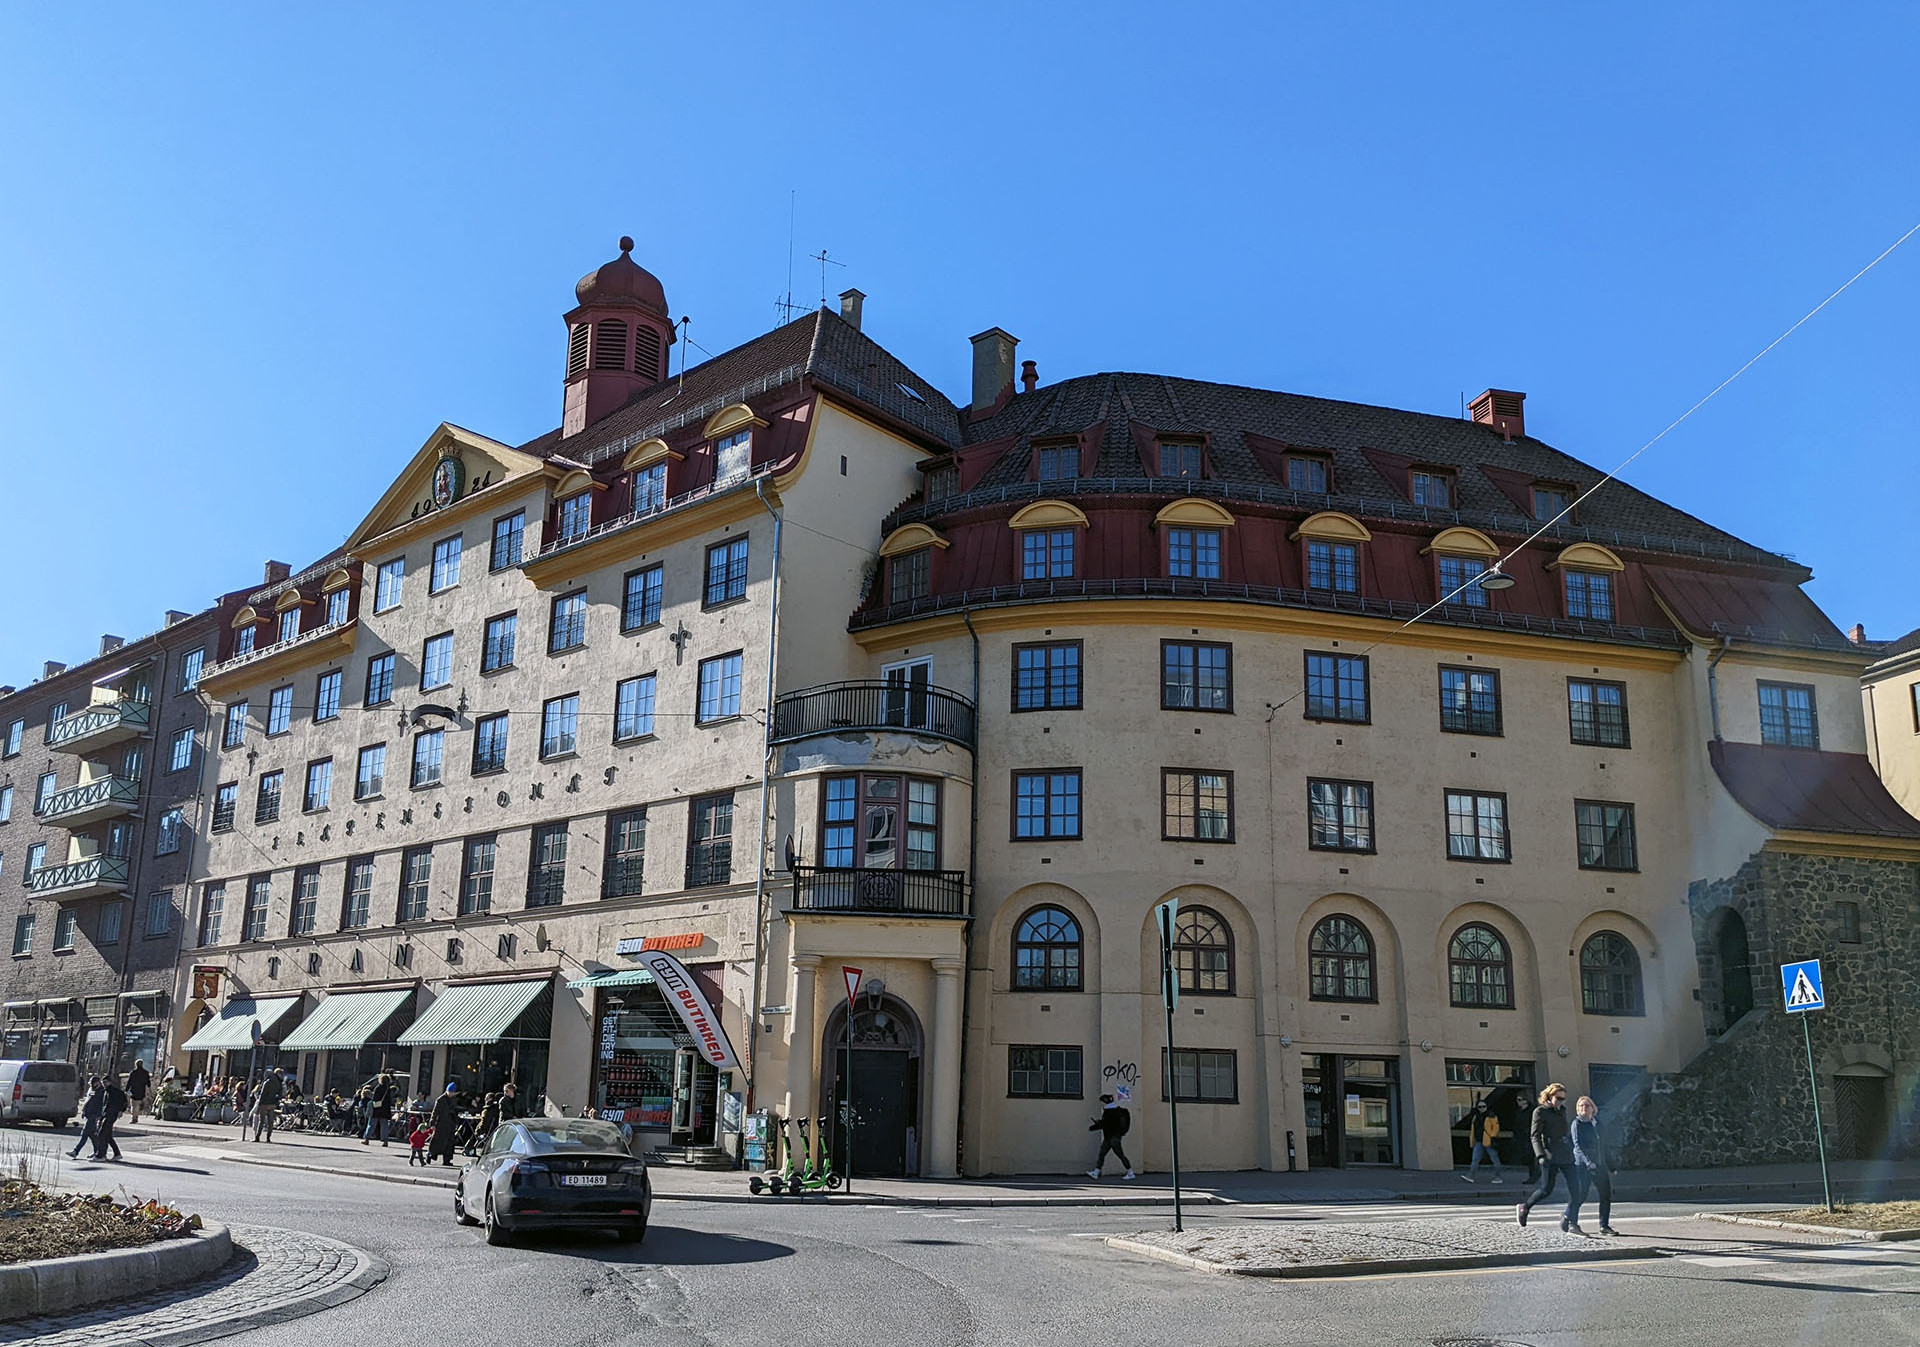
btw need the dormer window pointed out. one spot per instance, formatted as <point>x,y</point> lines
<point>289,624</point>
<point>650,488</point>
<point>1056,462</point>
<point>576,517</point>
<point>1046,554</point>
<point>1334,566</point>
<point>1310,473</point>
<point>1193,554</point>
<point>1180,458</point>
<point>910,576</point>
<point>337,607</point>
<point>243,641</point>
<point>1460,581</point>
<point>1550,499</point>
<point>1589,595</point>
<point>731,455</point>
<point>1432,487</point>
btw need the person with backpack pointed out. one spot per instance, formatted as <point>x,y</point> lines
<point>1112,1124</point>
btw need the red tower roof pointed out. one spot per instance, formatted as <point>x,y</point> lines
<point>623,282</point>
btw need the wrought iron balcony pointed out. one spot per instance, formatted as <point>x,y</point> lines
<point>89,878</point>
<point>91,801</point>
<point>906,893</point>
<point>98,726</point>
<point>872,705</point>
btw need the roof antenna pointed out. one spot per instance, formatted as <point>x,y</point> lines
<point>684,324</point>
<point>825,261</point>
<point>785,306</point>
<point>1463,404</point>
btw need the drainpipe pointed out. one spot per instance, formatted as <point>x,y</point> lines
<point>973,874</point>
<point>766,786</point>
<point>1713,685</point>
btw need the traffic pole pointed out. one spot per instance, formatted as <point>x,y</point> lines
<point>1173,1085</point>
<point>1819,1134</point>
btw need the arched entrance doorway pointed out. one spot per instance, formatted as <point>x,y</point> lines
<point>887,1048</point>
<point>1736,968</point>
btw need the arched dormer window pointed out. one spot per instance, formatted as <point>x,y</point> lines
<point>1047,539</point>
<point>1460,557</point>
<point>1203,952</point>
<point>731,431</point>
<point>573,508</point>
<point>1479,968</point>
<point>287,616</point>
<point>246,628</point>
<point>1046,951</point>
<point>337,593</point>
<point>1588,573</point>
<point>646,469</point>
<point>908,554</point>
<point>1330,545</point>
<point>1193,534</point>
<point>1340,961</point>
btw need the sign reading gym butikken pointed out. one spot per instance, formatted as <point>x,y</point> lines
<point>691,1004</point>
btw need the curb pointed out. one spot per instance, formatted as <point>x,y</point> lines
<point>55,1285</point>
<point>1728,1192</point>
<point>1803,1228</point>
<point>370,1271</point>
<point>1375,1267</point>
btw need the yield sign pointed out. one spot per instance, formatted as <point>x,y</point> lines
<point>852,975</point>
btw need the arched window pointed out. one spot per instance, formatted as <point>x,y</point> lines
<point>1046,952</point>
<point>1340,961</point>
<point>1480,969</point>
<point>1203,952</point>
<point>1610,976</point>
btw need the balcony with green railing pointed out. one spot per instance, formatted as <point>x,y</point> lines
<point>99,726</point>
<point>91,802</point>
<point>91,877</point>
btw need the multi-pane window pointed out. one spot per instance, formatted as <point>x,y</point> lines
<point>370,773</point>
<point>235,733</point>
<point>266,804</point>
<point>356,905</point>
<point>1201,1076</point>
<point>66,925</point>
<point>726,572</point>
<point>547,866</point>
<point>226,801</point>
<point>1339,815</point>
<point>306,901</point>
<point>213,906</point>
<point>1597,712</point>
<point>731,455</point>
<point>719,688</point>
<point>1610,976</point>
<point>576,517</point>
<point>133,762</point>
<point>1479,969</point>
<point>337,607</point>
<point>640,607</point>
<point>650,488</point>
<point>1046,805</point>
<point>1787,715</point>
<point>490,743</point>
<point>476,875</point>
<point>710,841</point>
<point>15,732</point>
<point>23,935</point>
<point>446,565</point>
<point>6,796</point>
<point>910,575</point>
<point>289,625</point>
<point>243,639</point>
<point>416,882</point>
<point>429,758</point>
<point>1193,554</point>
<point>1196,806</point>
<point>319,784</point>
<point>1590,595</point>
<point>1432,488</point>
<point>496,650</point>
<point>1476,826</point>
<point>190,666</point>
<point>380,679</point>
<point>112,916</point>
<point>253,917</point>
<point>559,725</point>
<point>1846,914</point>
<point>1179,458</point>
<point>159,913</point>
<point>1337,687</point>
<point>1334,566</point>
<point>1046,554</point>
<point>626,861</point>
<point>633,708</point>
<point>436,662</point>
<point>1340,961</point>
<point>1046,677</point>
<point>387,584</point>
<point>280,710</point>
<point>509,532</point>
<point>1305,473</point>
<point>172,823</point>
<point>1046,951</point>
<point>1469,700</point>
<point>1549,501</point>
<point>864,820</point>
<point>326,695</point>
<point>43,790</point>
<point>180,751</point>
<point>569,628</point>
<point>1460,581</point>
<point>1039,1072</point>
<point>1605,834</point>
<point>36,858</point>
<point>1196,676</point>
<point>1057,462</point>
<point>1203,952</point>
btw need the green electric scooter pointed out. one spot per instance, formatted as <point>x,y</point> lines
<point>810,1177</point>
<point>787,1175</point>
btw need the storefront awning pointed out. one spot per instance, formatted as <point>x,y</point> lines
<point>345,1020</point>
<point>232,1028</point>
<point>476,1013</point>
<point>613,977</point>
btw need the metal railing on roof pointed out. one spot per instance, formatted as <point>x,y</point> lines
<point>633,518</point>
<point>267,652</point>
<point>893,402</point>
<point>318,570</point>
<point>1362,506</point>
<point>1776,636</point>
<point>1452,614</point>
<point>700,411</point>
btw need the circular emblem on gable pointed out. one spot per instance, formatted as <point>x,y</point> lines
<point>449,480</point>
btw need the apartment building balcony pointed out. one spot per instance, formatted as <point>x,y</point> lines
<point>91,802</point>
<point>93,877</point>
<point>873,706</point>
<point>903,893</point>
<point>279,659</point>
<point>99,726</point>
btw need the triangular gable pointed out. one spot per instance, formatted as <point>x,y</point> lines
<point>486,463</point>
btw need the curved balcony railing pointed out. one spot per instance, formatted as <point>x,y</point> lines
<point>874,705</point>
<point>91,801</point>
<point>99,725</point>
<point>79,879</point>
<point>910,893</point>
<point>262,653</point>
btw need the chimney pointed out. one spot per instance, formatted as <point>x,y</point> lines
<point>175,617</point>
<point>53,666</point>
<point>1029,376</point>
<point>277,571</point>
<point>1858,635</point>
<point>993,370</point>
<point>109,644</point>
<point>850,302</point>
<point>1500,409</point>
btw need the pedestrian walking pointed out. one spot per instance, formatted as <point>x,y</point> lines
<point>1553,1147</point>
<point>489,1120</point>
<point>266,1104</point>
<point>237,1100</point>
<point>138,1083</point>
<point>446,1121</point>
<point>89,1116</point>
<point>1590,1169</point>
<point>509,1102</point>
<point>1482,1131</point>
<point>113,1103</point>
<point>417,1142</point>
<point>1112,1124</point>
<point>379,1110</point>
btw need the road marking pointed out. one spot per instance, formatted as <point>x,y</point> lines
<point>969,1220</point>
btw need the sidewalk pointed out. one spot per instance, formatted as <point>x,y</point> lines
<point>1852,1180</point>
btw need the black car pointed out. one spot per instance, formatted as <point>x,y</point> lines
<point>554,1173</point>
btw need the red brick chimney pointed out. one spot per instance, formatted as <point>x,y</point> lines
<point>1501,409</point>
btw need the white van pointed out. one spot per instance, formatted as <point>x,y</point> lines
<point>48,1091</point>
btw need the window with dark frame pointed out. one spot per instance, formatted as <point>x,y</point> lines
<point>305,912</point>
<point>1469,700</point>
<point>569,629</point>
<point>253,915</point>
<point>865,818</point>
<point>326,695</point>
<point>1333,566</point>
<point>1202,1076</point>
<point>710,842</point>
<point>559,725</point>
<point>1340,961</point>
<point>1339,815</point>
<point>1047,554</point>
<point>235,733</point>
<point>640,601</point>
<point>477,857</point>
<point>370,772</point>
<point>1610,981</point>
<point>1203,952</point>
<point>1433,488</point>
<point>1589,595</point>
<point>726,572</point>
<point>416,882</point>
<point>1477,826</point>
<point>226,801</point>
<point>213,905</point>
<point>649,488</point>
<point>1196,806</point>
<point>575,518</point>
<point>1046,805</point>
<point>1479,968</point>
<point>1460,581</point>
<point>1309,473</point>
<point>1040,1071</point>
<point>497,647</point>
<point>356,903</point>
<point>547,866</point>
<point>626,859</point>
<point>1193,553</point>
<point>1058,461</point>
<point>1604,831</point>
<point>429,758</point>
<point>490,743</point>
<point>319,792</point>
<point>633,708</point>
<point>1549,501</point>
<point>380,679</point>
<point>1787,715</point>
<point>1337,688</point>
<point>266,803</point>
<point>910,575</point>
<point>1846,915</point>
<point>1196,676</point>
<point>1047,677</point>
<point>1597,712</point>
<point>180,751</point>
<point>1046,951</point>
<point>509,535</point>
<point>1180,458</point>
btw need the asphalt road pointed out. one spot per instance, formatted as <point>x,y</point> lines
<point>780,1273</point>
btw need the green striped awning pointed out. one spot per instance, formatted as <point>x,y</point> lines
<point>477,1013</point>
<point>346,1020</point>
<point>613,977</point>
<point>233,1027</point>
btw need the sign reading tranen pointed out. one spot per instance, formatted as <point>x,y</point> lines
<point>685,996</point>
<point>1800,984</point>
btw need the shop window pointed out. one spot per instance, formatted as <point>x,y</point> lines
<point>1046,951</point>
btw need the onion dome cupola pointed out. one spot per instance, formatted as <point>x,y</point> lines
<point>617,339</point>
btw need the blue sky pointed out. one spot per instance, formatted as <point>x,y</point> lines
<point>250,257</point>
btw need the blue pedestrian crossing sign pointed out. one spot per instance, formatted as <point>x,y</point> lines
<point>1800,984</point>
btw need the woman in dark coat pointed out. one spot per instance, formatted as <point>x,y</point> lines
<point>1553,1145</point>
<point>1590,1163</point>
<point>446,1121</point>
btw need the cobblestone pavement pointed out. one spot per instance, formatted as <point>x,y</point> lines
<point>275,1275</point>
